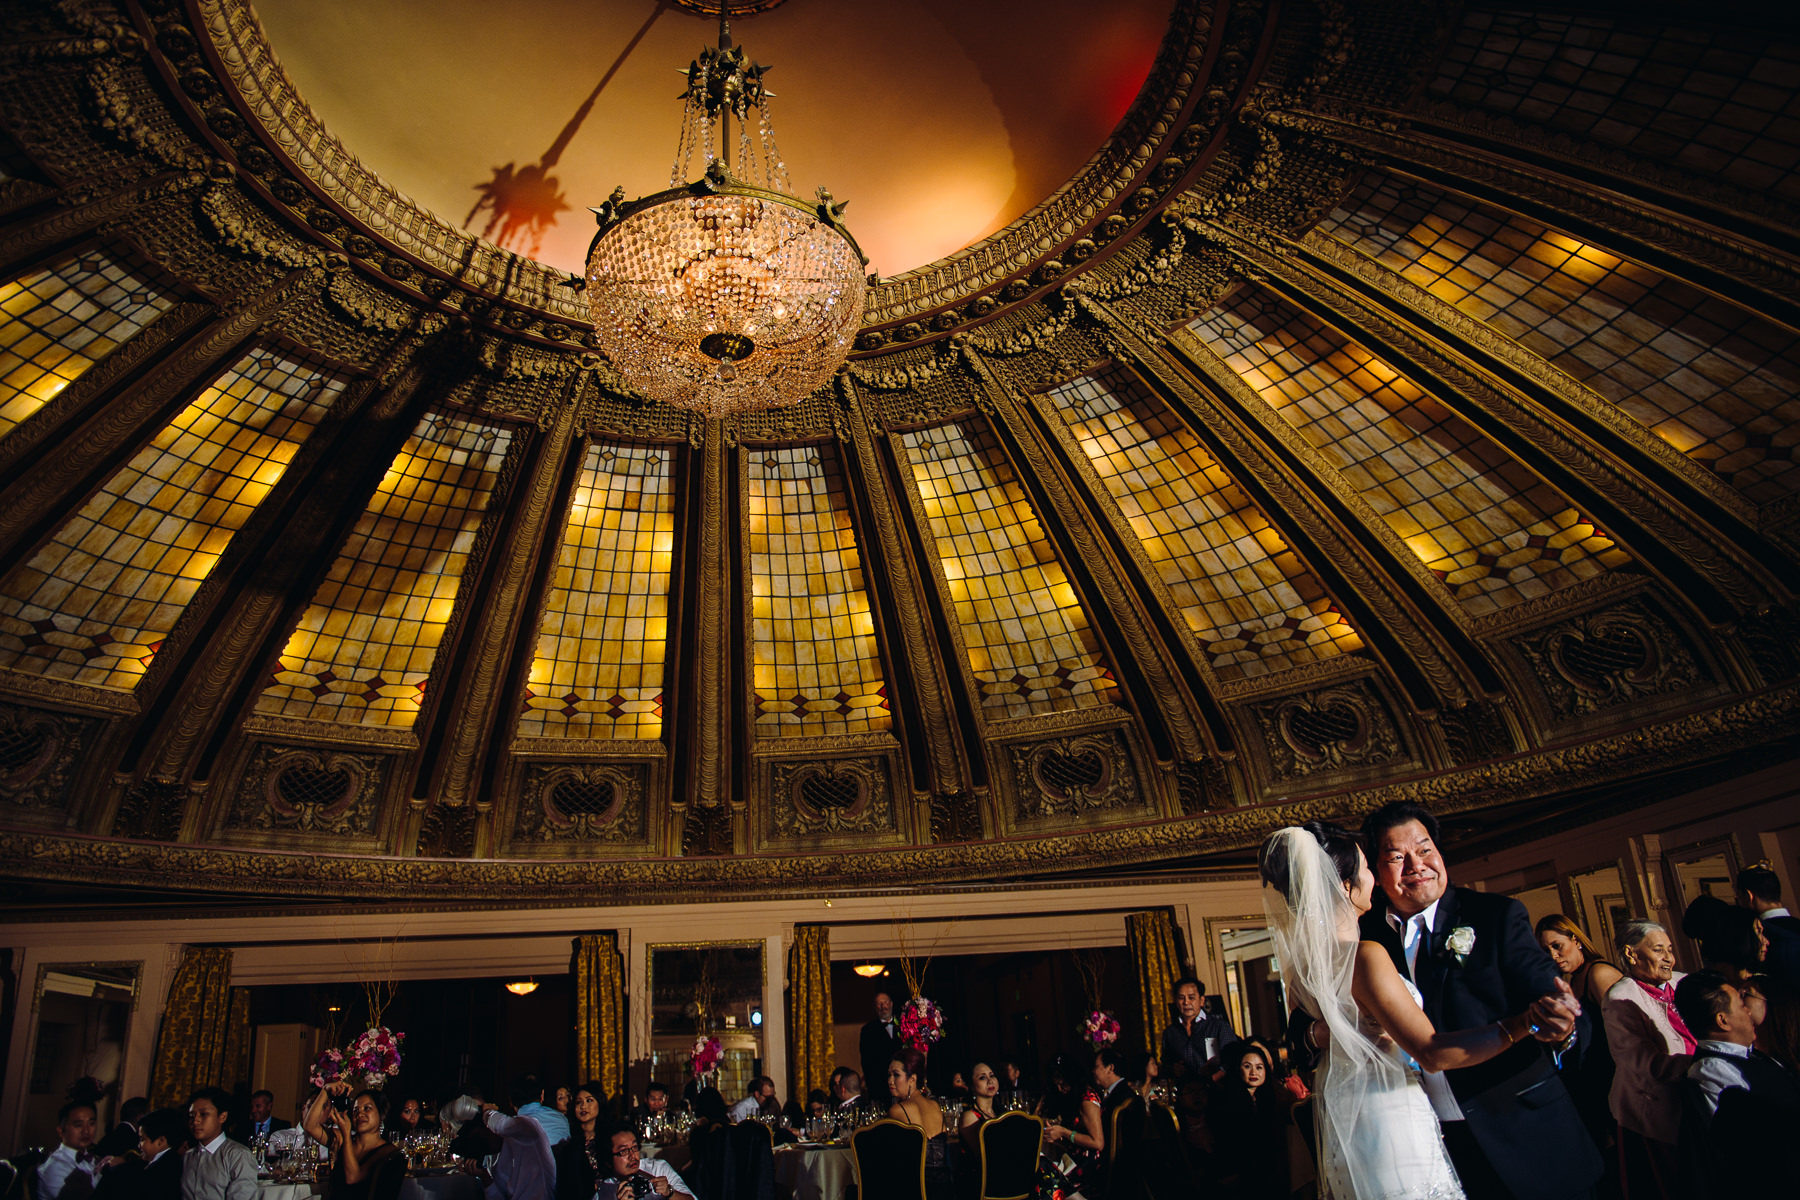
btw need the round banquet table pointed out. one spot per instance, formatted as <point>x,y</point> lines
<point>268,1189</point>
<point>814,1172</point>
<point>439,1185</point>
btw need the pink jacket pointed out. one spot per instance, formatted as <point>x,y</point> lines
<point>1637,1029</point>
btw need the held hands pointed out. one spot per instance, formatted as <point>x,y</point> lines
<point>1553,1016</point>
<point>338,1087</point>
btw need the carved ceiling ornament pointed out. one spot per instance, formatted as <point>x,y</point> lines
<point>308,791</point>
<point>1333,730</point>
<point>1073,776</point>
<point>835,796</point>
<point>1618,656</point>
<point>587,802</point>
<point>39,752</point>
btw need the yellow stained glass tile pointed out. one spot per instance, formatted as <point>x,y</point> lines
<point>92,604</point>
<point>355,660</point>
<point>598,667</point>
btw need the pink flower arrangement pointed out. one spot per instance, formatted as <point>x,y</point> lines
<point>1100,1029</point>
<point>376,1052</point>
<point>706,1056</point>
<point>327,1068</point>
<point>921,1024</point>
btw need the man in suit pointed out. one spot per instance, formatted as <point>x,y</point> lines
<point>154,1173</point>
<point>263,1120</point>
<point>1509,1123</point>
<point>1759,890</point>
<point>880,1039</point>
<point>1192,1043</point>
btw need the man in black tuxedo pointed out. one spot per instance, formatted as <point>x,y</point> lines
<point>154,1172</point>
<point>880,1039</point>
<point>1509,1123</point>
<point>1759,890</point>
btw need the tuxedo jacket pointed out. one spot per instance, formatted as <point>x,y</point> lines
<point>877,1048</point>
<point>1515,1104</point>
<point>133,1180</point>
<point>1783,960</point>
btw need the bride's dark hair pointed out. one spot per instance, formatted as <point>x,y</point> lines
<point>1340,846</point>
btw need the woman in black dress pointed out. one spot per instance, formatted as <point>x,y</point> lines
<point>585,1158</point>
<point>915,1108</point>
<point>1588,1071</point>
<point>364,1165</point>
<point>1248,1115</point>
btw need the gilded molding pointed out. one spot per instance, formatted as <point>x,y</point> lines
<point>930,686</point>
<point>478,697</point>
<point>824,801</point>
<point>1072,777</point>
<point>825,745</point>
<point>556,802</point>
<point>1329,733</point>
<point>1688,739</point>
<point>72,219</point>
<point>712,713</point>
<point>1618,656</point>
<point>1167,691</point>
<point>304,791</point>
<point>43,750</point>
<point>328,733</point>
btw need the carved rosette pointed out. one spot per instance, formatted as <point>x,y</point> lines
<point>588,802</point>
<point>838,796</point>
<point>308,791</point>
<point>1335,730</point>
<point>38,755</point>
<point>447,831</point>
<point>1619,656</point>
<point>1073,776</point>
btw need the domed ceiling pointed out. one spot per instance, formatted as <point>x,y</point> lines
<point>1392,402</point>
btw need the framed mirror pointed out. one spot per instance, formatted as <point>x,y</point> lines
<point>707,989</point>
<point>1600,903</point>
<point>81,1019</point>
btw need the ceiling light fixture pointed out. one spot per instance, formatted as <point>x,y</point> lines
<point>728,294</point>
<point>523,987</point>
<point>868,970</point>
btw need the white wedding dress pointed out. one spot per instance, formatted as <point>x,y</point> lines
<point>1378,1136</point>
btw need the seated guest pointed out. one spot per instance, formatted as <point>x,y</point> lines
<point>263,1120</point>
<point>154,1172</point>
<point>1651,1049</point>
<point>71,1170</point>
<point>847,1091</point>
<point>1730,939</point>
<point>562,1099</point>
<point>656,1102</point>
<point>581,1160</point>
<point>1144,1074</point>
<point>630,1176</point>
<point>762,1091</point>
<point>1192,1043</point>
<point>1072,1122</point>
<point>1777,1005</point>
<point>959,1087</point>
<point>364,1165</point>
<point>217,1168</point>
<point>1012,1080</point>
<point>912,1106</point>
<point>1740,1100</point>
<point>524,1168</point>
<point>818,1104</point>
<point>1759,890</point>
<point>1247,1114</point>
<point>981,1107</point>
<point>408,1119</point>
<point>556,1126</point>
<point>122,1139</point>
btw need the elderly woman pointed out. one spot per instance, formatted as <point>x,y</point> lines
<point>1651,1049</point>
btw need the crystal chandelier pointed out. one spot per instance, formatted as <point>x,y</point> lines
<point>727,294</point>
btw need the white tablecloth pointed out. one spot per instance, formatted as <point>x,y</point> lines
<point>270,1190</point>
<point>816,1172</point>
<point>458,1185</point>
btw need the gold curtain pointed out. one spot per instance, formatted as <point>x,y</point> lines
<point>205,1038</point>
<point>600,1011</point>
<point>809,1009</point>
<point>1150,936</point>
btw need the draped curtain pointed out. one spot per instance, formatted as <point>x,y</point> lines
<point>205,1038</point>
<point>809,1009</point>
<point>1150,936</point>
<point>600,1011</point>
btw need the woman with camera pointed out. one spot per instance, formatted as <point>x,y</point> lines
<point>364,1166</point>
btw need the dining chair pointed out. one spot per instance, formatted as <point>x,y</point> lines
<point>1124,1151</point>
<point>1009,1156</point>
<point>890,1161</point>
<point>1168,1174</point>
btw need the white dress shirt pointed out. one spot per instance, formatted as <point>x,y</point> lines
<point>54,1172</point>
<point>745,1109</point>
<point>646,1166</point>
<point>1771,913</point>
<point>524,1168</point>
<point>1714,1075</point>
<point>1415,932</point>
<point>220,1170</point>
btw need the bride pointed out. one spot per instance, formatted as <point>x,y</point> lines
<point>1378,1136</point>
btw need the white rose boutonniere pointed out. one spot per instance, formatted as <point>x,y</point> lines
<point>1460,942</point>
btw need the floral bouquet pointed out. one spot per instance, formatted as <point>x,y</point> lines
<point>706,1056</point>
<point>375,1055</point>
<point>1100,1029</point>
<point>921,1024</point>
<point>327,1068</point>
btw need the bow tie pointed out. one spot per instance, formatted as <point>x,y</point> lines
<point>84,1156</point>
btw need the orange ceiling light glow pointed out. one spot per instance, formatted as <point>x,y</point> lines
<point>868,970</point>
<point>523,987</point>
